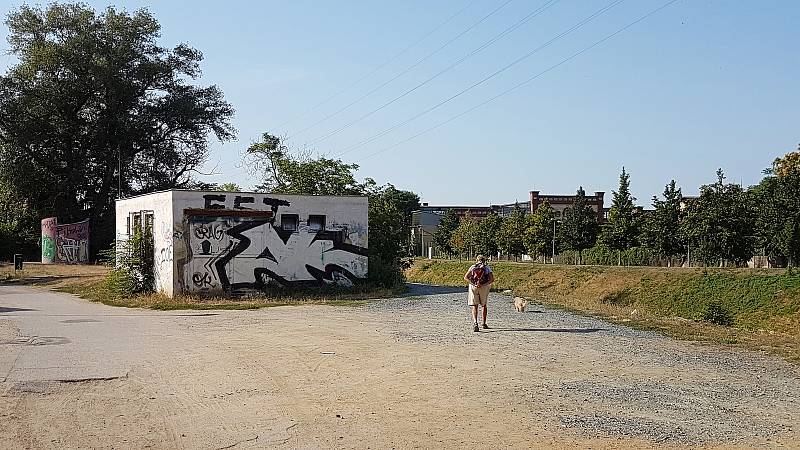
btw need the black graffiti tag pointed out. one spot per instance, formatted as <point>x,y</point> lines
<point>209,231</point>
<point>202,280</point>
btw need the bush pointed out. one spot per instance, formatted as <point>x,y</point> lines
<point>135,265</point>
<point>715,312</point>
<point>386,274</point>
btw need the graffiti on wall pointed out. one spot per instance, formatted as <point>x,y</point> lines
<point>49,226</point>
<point>72,242</point>
<point>233,252</point>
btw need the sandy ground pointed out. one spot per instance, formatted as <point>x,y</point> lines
<point>399,373</point>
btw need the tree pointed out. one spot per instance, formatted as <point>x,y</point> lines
<point>622,228</point>
<point>777,202</point>
<point>539,233</point>
<point>93,93</point>
<point>512,232</point>
<point>661,230</point>
<point>285,172</point>
<point>579,227</point>
<point>228,187</point>
<point>719,223</point>
<point>464,237</point>
<point>442,237</point>
<point>487,233</point>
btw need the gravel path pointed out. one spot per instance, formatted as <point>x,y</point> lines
<point>397,373</point>
<point>613,380</point>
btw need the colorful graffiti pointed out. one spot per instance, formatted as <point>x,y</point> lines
<point>67,243</point>
<point>49,226</point>
<point>234,252</point>
<point>72,242</point>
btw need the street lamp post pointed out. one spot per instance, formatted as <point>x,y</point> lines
<point>553,254</point>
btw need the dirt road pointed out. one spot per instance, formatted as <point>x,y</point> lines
<point>399,373</point>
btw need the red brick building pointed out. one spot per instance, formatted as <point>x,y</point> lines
<point>562,202</point>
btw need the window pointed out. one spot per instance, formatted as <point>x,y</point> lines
<point>289,222</point>
<point>137,221</point>
<point>316,222</point>
<point>128,225</point>
<point>148,221</point>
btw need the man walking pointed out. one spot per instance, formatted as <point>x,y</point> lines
<point>480,279</point>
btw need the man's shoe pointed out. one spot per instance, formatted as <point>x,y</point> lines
<point>485,327</point>
<point>475,328</point>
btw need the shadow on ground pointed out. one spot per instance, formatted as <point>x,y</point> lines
<point>415,289</point>
<point>547,330</point>
<point>7,309</point>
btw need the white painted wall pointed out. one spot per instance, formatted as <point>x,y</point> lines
<point>191,249</point>
<point>160,203</point>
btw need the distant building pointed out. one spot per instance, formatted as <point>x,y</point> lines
<point>561,202</point>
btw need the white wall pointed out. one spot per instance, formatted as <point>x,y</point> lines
<point>160,204</point>
<point>217,250</point>
<point>218,241</point>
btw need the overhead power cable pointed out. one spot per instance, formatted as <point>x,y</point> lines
<point>379,67</point>
<point>523,83</point>
<point>405,71</point>
<point>483,46</point>
<point>484,79</point>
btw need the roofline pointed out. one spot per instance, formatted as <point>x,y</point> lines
<point>236,192</point>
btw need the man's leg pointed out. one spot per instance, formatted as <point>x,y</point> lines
<point>485,308</point>
<point>474,314</point>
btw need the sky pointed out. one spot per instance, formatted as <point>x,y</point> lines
<point>696,86</point>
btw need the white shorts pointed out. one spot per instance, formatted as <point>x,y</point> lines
<point>478,295</point>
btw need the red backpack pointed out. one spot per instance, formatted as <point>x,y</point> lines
<point>479,273</point>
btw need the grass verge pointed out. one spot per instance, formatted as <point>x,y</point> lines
<point>757,309</point>
<point>90,282</point>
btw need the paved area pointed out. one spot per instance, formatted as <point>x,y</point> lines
<point>405,372</point>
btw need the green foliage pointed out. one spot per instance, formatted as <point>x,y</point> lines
<point>486,234</point>
<point>661,230</point>
<point>284,172</point>
<point>228,187</point>
<point>777,200</point>
<point>135,268</point>
<point>719,223</point>
<point>715,312</point>
<point>389,208</point>
<point>464,237</point>
<point>622,229</point>
<point>442,237</point>
<point>579,228</point>
<point>91,92</point>
<point>19,230</point>
<point>540,231</point>
<point>511,235</point>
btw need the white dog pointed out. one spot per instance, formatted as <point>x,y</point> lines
<point>520,303</point>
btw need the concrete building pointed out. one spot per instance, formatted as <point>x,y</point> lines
<point>228,242</point>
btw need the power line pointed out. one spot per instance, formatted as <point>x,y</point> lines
<point>408,69</point>
<point>529,80</point>
<point>508,30</point>
<point>379,67</point>
<point>483,80</point>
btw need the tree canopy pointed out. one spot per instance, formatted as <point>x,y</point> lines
<point>661,228</point>
<point>93,93</point>
<point>579,227</point>
<point>622,229</point>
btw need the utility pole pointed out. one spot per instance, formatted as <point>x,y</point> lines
<point>553,255</point>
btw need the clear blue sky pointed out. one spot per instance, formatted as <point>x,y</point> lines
<point>700,85</point>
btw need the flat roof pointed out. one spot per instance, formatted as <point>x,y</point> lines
<point>203,191</point>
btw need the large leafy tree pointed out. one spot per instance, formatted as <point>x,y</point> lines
<point>93,93</point>
<point>579,227</point>
<point>719,223</point>
<point>622,229</point>
<point>777,199</point>
<point>539,233</point>
<point>442,237</point>
<point>661,229</point>
<point>512,232</point>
